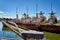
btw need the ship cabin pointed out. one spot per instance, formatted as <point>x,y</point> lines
<point>41,18</point>
<point>26,18</point>
<point>52,19</point>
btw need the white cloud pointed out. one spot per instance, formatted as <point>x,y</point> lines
<point>5,14</point>
<point>1,12</point>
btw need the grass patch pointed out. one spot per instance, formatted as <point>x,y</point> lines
<point>52,36</point>
<point>5,29</point>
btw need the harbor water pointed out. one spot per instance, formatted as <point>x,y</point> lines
<point>7,33</point>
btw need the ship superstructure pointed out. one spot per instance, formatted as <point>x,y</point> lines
<point>38,18</point>
<point>41,18</point>
<point>39,21</point>
<point>52,19</point>
<point>26,18</point>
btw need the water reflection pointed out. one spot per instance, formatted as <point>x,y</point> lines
<point>1,26</point>
<point>7,33</point>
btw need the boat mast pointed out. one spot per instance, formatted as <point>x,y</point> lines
<point>16,13</point>
<point>36,9</point>
<point>51,6</point>
<point>27,11</point>
<point>52,13</point>
<point>52,18</point>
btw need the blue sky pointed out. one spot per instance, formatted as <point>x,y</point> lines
<point>8,7</point>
